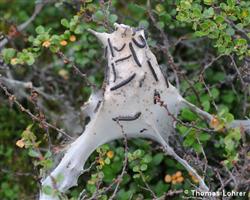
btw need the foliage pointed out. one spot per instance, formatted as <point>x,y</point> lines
<point>219,21</point>
<point>200,32</point>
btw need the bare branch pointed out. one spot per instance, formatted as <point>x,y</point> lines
<point>21,27</point>
<point>38,119</point>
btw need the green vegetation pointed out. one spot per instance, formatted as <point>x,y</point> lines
<point>209,41</point>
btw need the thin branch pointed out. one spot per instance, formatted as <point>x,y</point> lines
<point>84,76</point>
<point>175,119</point>
<point>125,161</point>
<point>118,180</point>
<point>148,187</point>
<point>237,70</point>
<point>16,84</point>
<point>21,27</point>
<point>170,58</point>
<point>43,122</point>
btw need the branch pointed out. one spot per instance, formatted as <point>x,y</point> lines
<point>34,117</point>
<point>24,25</point>
<point>245,124</point>
<point>130,99</point>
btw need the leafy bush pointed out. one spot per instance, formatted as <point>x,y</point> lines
<point>209,41</point>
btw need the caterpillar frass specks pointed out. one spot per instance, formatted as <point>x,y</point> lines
<point>114,72</point>
<point>156,95</point>
<point>152,70</point>
<point>122,59</point>
<point>120,48</point>
<point>127,118</point>
<point>123,82</point>
<point>111,48</point>
<point>134,54</point>
<point>139,44</point>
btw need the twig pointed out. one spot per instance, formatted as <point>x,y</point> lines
<point>237,70</point>
<point>210,63</point>
<point>125,161</point>
<point>170,58</point>
<point>118,180</point>
<point>206,116</point>
<point>170,193</point>
<point>163,104</point>
<point>209,93</point>
<point>21,27</point>
<point>43,122</point>
<point>84,76</point>
<point>148,187</point>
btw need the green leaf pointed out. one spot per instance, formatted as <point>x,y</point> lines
<point>136,168</point>
<point>79,29</point>
<point>157,159</point>
<point>218,76</point>
<point>8,53</point>
<point>228,117</point>
<point>204,137</point>
<point>160,188</point>
<point>137,10</point>
<point>46,163</point>
<point>159,8</point>
<point>200,33</point>
<point>219,19</point>
<point>53,49</point>
<point>208,2</point>
<point>185,4</point>
<point>136,176</point>
<point>240,41</point>
<point>107,161</point>
<point>138,153</point>
<point>33,153</point>
<point>113,18</point>
<point>99,15</point>
<point>230,31</point>
<point>229,144</point>
<point>160,24</point>
<point>186,114</point>
<point>147,158</point>
<point>208,13</point>
<point>206,105</point>
<point>215,93</point>
<point>170,162</point>
<point>124,195</point>
<point>40,30</point>
<point>47,190</point>
<point>30,60</point>
<point>144,24</point>
<point>236,133</point>
<point>197,147</point>
<point>189,141</point>
<point>65,23</point>
<point>228,97</point>
<point>231,3</point>
<point>197,12</point>
<point>144,167</point>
